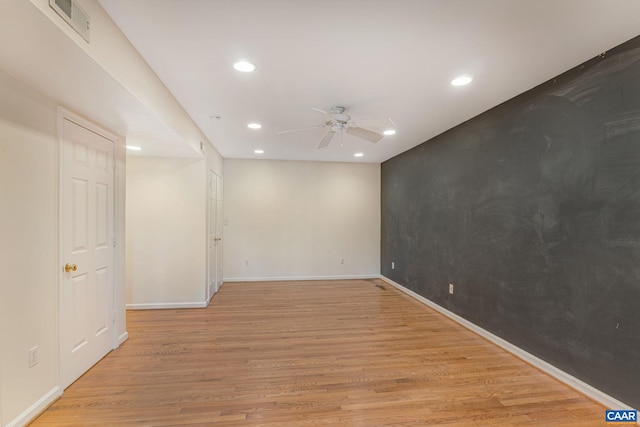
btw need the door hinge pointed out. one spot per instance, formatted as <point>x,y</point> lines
<point>114,241</point>
<point>114,317</point>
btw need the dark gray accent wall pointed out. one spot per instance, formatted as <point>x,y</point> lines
<point>532,211</point>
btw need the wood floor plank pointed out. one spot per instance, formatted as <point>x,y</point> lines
<point>339,353</point>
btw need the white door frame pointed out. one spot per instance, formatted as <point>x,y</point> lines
<point>64,114</point>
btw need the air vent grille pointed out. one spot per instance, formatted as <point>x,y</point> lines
<point>71,12</point>
<point>65,6</point>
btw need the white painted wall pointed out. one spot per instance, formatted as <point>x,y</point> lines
<point>297,220</point>
<point>166,232</point>
<point>29,222</point>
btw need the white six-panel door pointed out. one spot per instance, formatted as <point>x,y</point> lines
<point>214,237</point>
<point>212,241</point>
<point>219,229</point>
<point>86,249</point>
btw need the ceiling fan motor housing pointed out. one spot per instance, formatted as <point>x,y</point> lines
<point>337,114</point>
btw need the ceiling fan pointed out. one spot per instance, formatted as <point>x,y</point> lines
<point>339,121</point>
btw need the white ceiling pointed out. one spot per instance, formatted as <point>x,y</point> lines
<point>380,59</point>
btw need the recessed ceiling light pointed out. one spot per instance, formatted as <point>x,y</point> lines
<point>258,151</point>
<point>461,80</point>
<point>244,66</point>
<point>254,125</point>
<point>389,132</point>
<point>358,155</point>
<point>133,148</point>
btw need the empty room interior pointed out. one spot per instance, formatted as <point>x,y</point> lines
<point>305,213</point>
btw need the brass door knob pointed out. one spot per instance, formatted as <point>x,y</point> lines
<point>70,267</point>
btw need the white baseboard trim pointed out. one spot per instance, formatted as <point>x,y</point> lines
<point>573,382</point>
<point>166,305</point>
<point>37,408</point>
<point>122,338</point>
<point>299,278</point>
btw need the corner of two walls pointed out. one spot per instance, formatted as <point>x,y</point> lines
<point>532,211</point>
<point>283,220</point>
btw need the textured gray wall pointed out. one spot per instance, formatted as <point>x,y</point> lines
<point>532,211</point>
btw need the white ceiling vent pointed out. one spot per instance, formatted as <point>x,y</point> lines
<point>74,15</point>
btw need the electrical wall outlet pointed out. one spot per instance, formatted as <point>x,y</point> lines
<point>393,265</point>
<point>451,288</point>
<point>342,261</point>
<point>34,356</point>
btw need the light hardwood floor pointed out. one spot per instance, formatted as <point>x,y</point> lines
<point>334,353</point>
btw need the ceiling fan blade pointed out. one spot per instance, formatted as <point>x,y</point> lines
<point>364,134</point>
<point>296,130</point>
<point>319,110</point>
<point>326,139</point>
